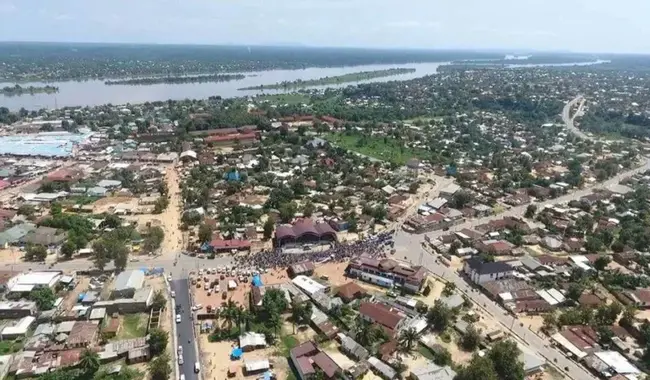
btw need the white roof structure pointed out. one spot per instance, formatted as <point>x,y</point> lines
<point>189,153</point>
<point>557,295</point>
<point>256,365</point>
<point>547,297</point>
<point>33,279</point>
<point>617,362</point>
<point>308,285</point>
<point>437,203</point>
<point>251,339</point>
<point>130,279</point>
<point>20,328</point>
<point>564,342</point>
<point>450,189</point>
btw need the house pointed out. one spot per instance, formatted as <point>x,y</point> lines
<point>449,191</point>
<point>307,358</point>
<point>45,236</point>
<point>353,349</point>
<point>127,283</point>
<point>305,268</point>
<point>17,309</point>
<point>351,291</point>
<point>388,273</point>
<point>20,329</point>
<point>382,369</point>
<point>382,315</point>
<point>26,282</point>
<point>220,245</point>
<point>251,341</point>
<point>480,271</point>
<point>432,372</point>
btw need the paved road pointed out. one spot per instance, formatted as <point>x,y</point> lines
<point>185,329</point>
<point>409,247</point>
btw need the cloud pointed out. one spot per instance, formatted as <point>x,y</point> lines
<point>7,7</point>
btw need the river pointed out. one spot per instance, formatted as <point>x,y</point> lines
<point>95,92</point>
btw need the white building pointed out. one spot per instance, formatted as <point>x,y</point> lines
<point>481,272</point>
<point>19,329</point>
<point>26,282</point>
<point>307,285</point>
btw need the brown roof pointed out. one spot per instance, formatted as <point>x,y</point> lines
<point>350,291</point>
<point>308,356</point>
<point>380,314</point>
<point>83,332</point>
<point>589,299</point>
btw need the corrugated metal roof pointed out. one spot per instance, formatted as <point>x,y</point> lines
<point>131,279</point>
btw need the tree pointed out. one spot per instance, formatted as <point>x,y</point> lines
<point>628,316</point>
<point>505,358</point>
<point>35,253</point>
<point>274,301</point>
<point>44,298</point>
<point>159,368</point>
<point>449,289</point>
<point>479,368</point>
<point>269,226</point>
<point>107,249</point>
<point>287,211</point>
<point>593,244</point>
<point>26,210</point>
<point>607,315</point>
<point>158,340</point>
<point>89,361</point>
<point>442,357</point>
<point>55,209</point>
<point>605,335</point>
<point>574,291</point>
<point>407,341</point>
<point>439,316</point>
<point>413,187</point>
<point>155,237</point>
<point>301,313</point>
<point>460,199</point>
<point>601,263</point>
<point>205,233</point>
<point>530,211</point>
<point>101,254</point>
<point>367,334</point>
<point>160,205</point>
<point>550,321</point>
<point>67,249</point>
<point>159,300</point>
<point>471,339</point>
<point>454,247</point>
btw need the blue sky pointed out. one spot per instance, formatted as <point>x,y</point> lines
<point>576,25</point>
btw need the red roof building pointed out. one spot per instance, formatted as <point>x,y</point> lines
<point>304,231</point>
<point>307,358</point>
<point>381,315</point>
<point>217,245</point>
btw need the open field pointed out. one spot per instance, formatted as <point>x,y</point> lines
<point>387,149</point>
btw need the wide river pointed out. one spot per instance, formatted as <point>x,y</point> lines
<point>95,92</point>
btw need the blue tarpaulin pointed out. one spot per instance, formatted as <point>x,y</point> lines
<point>267,375</point>
<point>236,353</point>
<point>257,280</point>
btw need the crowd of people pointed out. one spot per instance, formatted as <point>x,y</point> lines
<point>375,246</point>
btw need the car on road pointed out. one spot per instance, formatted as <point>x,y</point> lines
<point>180,350</point>
<point>169,278</point>
<point>197,367</point>
<point>182,377</point>
<point>178,318</point>
<point>180,359</point>
<point>173,294</point>
<point>197,307</point>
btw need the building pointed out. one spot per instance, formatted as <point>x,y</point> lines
<point>382,315</point>
<point>251,341</point>
<point>242,139</point>
<point>305,268</point>
<point>20,329</point>
<point>26,282</point>
<point>449,191</point>
<point>17,309</point>
<point>304,231</point>
<point>432,372</point>
<point>480,271</point>
<point>46,236</point>
<point>220,245</point>
<point>350,292</point>
<point>127,283</point>
<point>388,273</point>
<point>351,348</point>
<point>309,286</point>
<point>382,369</point>
<point>307,358</point>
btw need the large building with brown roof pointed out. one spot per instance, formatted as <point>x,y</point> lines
<point>350,292</point>
<point>307,358</point>
<point>304,231</point>
<point>388,273</point>
<point>382,315</point>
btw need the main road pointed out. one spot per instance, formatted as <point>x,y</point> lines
<point>409,247</point>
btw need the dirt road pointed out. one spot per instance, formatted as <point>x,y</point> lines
<point>171,217</point>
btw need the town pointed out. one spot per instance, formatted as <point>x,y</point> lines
<point>472,224</point>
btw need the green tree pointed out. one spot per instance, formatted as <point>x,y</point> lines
<point>55,209</point>
<point>607,315</point>
<point>449,289</point>
<point>269,226</point>
<point>442,357</point>
<point>575,290</point>
<point>159,300</point>
<point>367,334</point>
<point>601,263</point>
<point>301,313</point>
<point>530,211</point>
<point>479,368</point>
<point>67,249</point>
<point>407,341</point>
<point>274,301</point>
<point>158,340</point>
<point>35,253</point>
<point>26,210</point>
<point>594,244</point>
<point>159,368</point>
<point>89,361</point>
<point>155,237</point>
<point>439,316</point>
<point>471,338</point>
<point>550,321</point>
<point>505,358</point>
<point>44,298</point>
<point>205,233</point>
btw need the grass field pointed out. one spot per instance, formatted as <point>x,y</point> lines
<point>133,326</point>
<point>388,149</point>
<point>10,346</point>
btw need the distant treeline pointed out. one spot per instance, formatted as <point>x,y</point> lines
<point>352,77</point>
<point>18,90</point>
<point>177,79</point>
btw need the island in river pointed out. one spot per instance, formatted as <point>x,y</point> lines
<point>351,77</point>
<point>177,79</point>
<point>18,90</point>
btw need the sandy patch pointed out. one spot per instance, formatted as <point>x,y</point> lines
<point>533,322</point>
<point>71,298</point>
<point>11,255</point>
<point>216,360</point>
<point>370,376</point>
<point>414,361</point>
<point>104,204</point>
<point>437,287</point>
<point>339,358</point>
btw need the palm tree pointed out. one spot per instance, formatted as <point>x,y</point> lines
<point>230,313</point>
<point>407,341</point>
<point>365,333</point>
<point>89,360</point>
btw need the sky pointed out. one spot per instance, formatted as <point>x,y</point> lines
<point>618,26</point>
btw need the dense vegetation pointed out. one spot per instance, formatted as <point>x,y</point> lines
<point>18,90</point>
<point>177,79</point>
<point>351,77</point>
<point>61,62</point>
